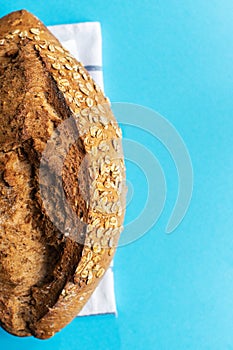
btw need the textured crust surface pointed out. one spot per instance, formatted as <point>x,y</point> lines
<point>61,180</point>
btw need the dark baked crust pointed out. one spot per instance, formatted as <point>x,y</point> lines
<point>61,180</point>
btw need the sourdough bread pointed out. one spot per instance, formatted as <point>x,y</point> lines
<point>62,175</point>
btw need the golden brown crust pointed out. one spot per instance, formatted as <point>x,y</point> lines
<point>61,180</point>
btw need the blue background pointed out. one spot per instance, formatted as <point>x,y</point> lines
<point>173,291</point>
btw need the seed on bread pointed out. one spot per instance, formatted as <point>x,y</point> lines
<point>35,31</point>
<point>100,272</point>
<point>56,65</point>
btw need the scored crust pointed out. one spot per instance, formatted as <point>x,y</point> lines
<point>62,179</point>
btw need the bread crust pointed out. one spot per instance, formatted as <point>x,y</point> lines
<point>62,179</point>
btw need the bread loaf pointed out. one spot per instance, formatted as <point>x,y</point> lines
<point>61,180</point>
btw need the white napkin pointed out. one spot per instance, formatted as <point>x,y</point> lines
<point>84,41</point>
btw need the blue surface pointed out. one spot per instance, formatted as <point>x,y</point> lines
<point>173,291</point>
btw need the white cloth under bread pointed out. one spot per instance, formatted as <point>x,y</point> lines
<point>84,41</point>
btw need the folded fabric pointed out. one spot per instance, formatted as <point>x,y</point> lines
<point>84,41</point>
